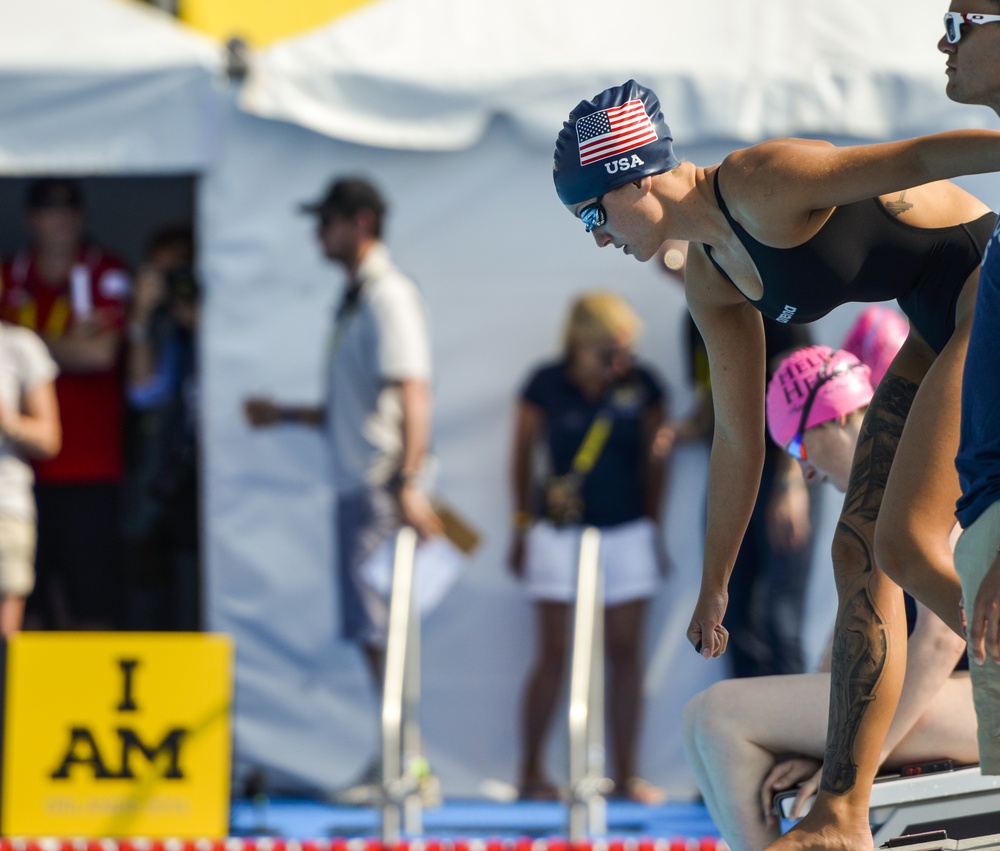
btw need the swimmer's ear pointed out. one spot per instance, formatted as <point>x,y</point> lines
<point>840,421</point>
<point>643,184</point>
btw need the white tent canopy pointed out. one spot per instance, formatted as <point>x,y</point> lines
<point>431,74</point>
<point>452,107</point>
<point>103,86</point>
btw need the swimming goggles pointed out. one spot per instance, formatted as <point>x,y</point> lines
<point>796,446</point>
<point>593,215</point>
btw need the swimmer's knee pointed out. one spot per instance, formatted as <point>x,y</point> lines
<point>691,719</point>
<point>712,711</point>
<point>851,553</point>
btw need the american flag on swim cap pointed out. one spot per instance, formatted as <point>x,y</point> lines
<point>609,132</point>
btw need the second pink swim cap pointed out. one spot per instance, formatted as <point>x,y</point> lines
<point>875,337</point>
<point>850,388</point>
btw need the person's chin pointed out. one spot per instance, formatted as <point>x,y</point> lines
<point>952,87</point>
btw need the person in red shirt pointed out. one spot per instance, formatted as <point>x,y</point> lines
<point>74,295</point>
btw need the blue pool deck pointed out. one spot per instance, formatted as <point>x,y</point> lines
<point>308,819</point>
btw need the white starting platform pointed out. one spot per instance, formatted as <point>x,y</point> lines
<point>962,802</point>
<point>918,843</point>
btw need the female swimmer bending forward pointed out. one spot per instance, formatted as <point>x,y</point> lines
<point>793,228</point>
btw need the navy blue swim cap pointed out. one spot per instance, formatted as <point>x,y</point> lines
<point>618,136</point>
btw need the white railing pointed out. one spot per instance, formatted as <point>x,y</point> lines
<point>587,782</point>
<point>402,809</point>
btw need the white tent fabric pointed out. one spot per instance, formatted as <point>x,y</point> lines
<point>431,75</point>
<point>103,86</point>
<point>452,107</point>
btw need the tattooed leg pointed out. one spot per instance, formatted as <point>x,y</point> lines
<point>877,443</point>
<point>869,650</point>
<point>860,655</point>
<point>867,602</point>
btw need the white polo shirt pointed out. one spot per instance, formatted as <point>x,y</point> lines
<point>377,342</point>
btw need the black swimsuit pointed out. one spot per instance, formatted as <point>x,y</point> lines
<point>863,254</point>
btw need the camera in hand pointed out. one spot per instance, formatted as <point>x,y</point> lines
<point>183,286</point>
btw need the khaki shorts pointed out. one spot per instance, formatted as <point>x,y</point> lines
<point>17,556</point>
<point>365,519</point>
<point>974,553</point>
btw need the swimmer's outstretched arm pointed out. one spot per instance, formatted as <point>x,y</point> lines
<point>734,338</point>
<point>792,178</point>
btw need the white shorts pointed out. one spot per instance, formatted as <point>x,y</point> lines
<point>628,554</point>
<point>17,556</point>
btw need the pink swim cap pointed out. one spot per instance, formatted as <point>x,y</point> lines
<point>875,337</point>
<point>848,389</point>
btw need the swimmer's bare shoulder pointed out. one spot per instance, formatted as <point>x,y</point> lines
<point>770,188</point>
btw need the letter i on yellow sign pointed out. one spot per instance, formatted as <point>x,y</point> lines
<point>116,734</point>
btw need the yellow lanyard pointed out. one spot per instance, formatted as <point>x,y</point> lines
<point>593,444</point>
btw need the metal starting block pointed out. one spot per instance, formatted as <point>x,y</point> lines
<point>963,803</point>
<point>922,842</point>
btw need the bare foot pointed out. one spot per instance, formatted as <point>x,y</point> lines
<point>824,834</point>
<point>641,791</point>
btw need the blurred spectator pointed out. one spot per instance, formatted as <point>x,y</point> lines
<point>74,295</point>
<point>770,580</point>
<point>377,415</point>
<point>162,509</point>
<point>597,414</point>
<point>29,428</point>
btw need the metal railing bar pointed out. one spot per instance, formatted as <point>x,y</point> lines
<point>400,694</point>
<point>587,807</point>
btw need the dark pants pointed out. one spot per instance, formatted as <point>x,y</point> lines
<point>78,561</point>
<point>767,596</point>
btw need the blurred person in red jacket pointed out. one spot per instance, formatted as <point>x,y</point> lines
<point>74,295</point>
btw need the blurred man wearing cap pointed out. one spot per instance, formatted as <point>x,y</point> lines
<point>74,294</point>
<point>377,415</point>
<point>972,46</point>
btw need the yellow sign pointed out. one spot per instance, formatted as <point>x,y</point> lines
<point>116,734</point>
<point>261,22</point>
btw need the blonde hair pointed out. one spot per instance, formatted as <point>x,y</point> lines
<point>598,317</point>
